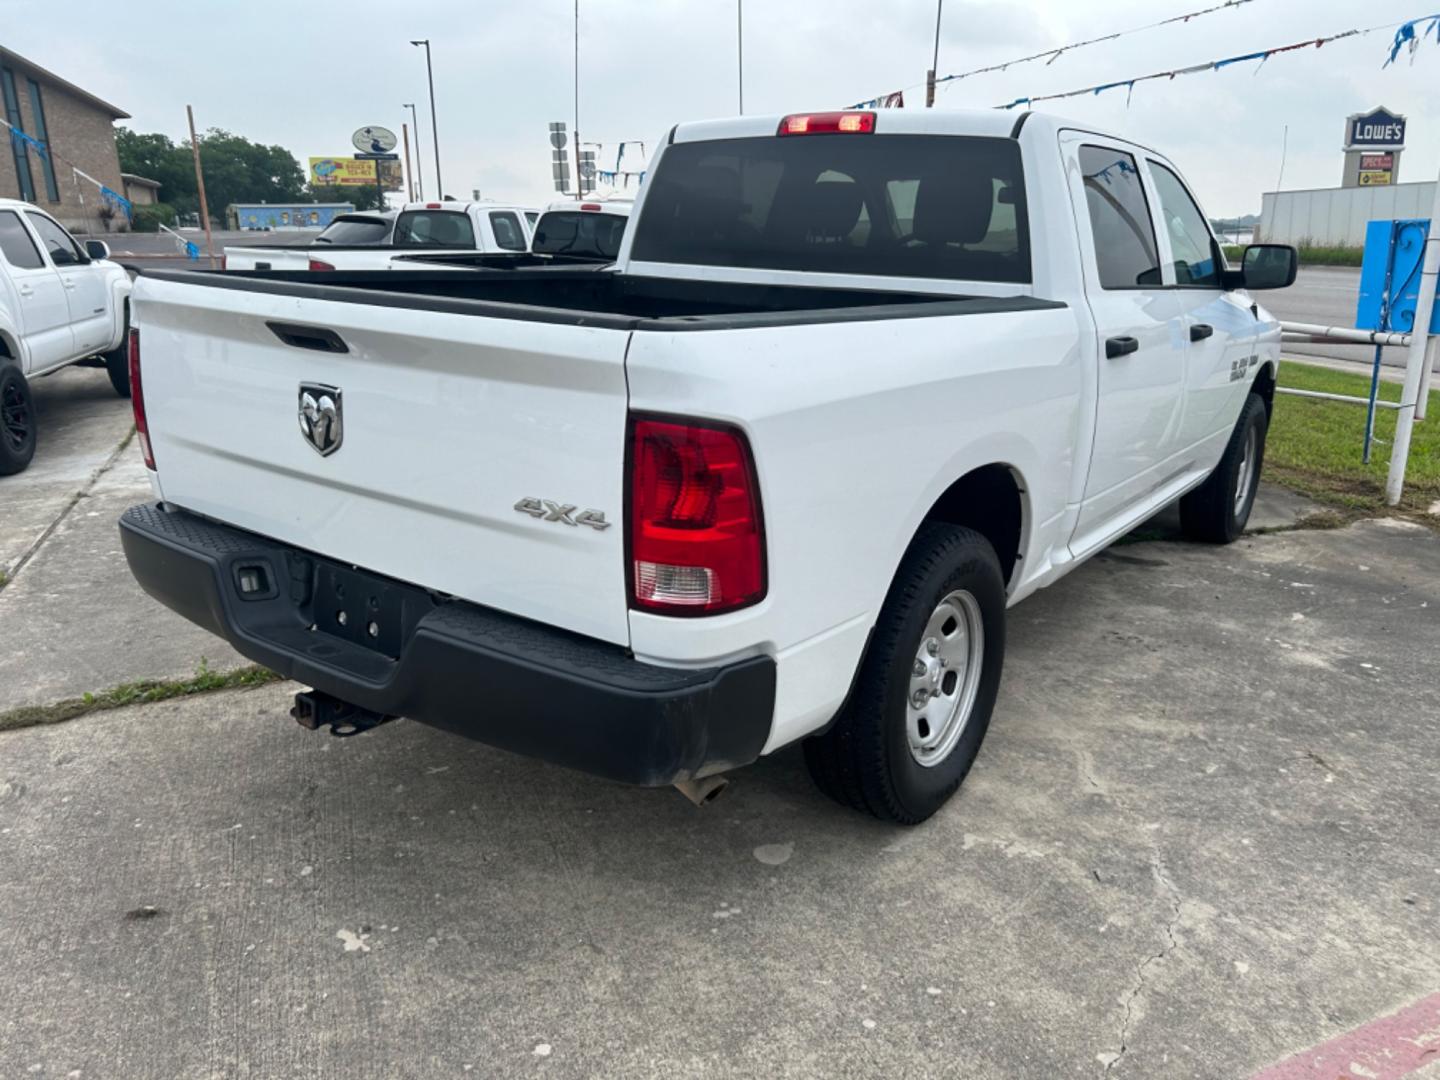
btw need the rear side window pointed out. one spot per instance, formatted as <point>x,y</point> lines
<point>896,205</point>
<point>355,230</point>
<point>1119,219</point>
<point>19,250</point>
<point>63,250</point>
<point>1191,244</point>
<point>446,228</point>
<point>579,232</point>
<point>508,233</point>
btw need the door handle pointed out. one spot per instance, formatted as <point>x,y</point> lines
<point>1120,346</point>
<point>68,283</point>
<point>1200,331</point>
<point>26,291</point>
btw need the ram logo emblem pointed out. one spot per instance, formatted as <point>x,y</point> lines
<point>564,513</point>
<point>322,423</point>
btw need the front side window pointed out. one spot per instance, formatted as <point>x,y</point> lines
<point>436,228</point>
<point>15,243</point>
<point>1125,250</point>
<point>63,250</point>
<point>892,205</point>
<point>508,233</point>
<point>1191,244</point>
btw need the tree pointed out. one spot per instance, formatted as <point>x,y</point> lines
<point>236,169</point>
<point>364,197</point>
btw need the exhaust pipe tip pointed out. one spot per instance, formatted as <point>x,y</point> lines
<point>702,791</point>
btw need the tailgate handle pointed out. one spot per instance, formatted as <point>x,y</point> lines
<point>308,337</point>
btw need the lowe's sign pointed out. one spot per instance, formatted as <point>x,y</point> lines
<point>1378,128</point>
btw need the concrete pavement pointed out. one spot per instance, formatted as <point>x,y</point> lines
<point>1199,838</point>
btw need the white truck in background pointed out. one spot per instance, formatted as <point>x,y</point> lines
<point>857,382</point>
<point>435,228</point>
<point>60,304</point>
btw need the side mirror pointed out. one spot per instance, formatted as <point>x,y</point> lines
<point>97,249</point>
<point>1264,266</point>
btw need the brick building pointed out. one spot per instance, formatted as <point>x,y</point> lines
<point>78,126</point>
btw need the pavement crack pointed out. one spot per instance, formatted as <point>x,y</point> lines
<point>9,576</point>
<point>1318,760</point>
<point>1168,946</point>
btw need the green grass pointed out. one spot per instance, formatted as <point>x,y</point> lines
<point>1310,255</point>
<point>1314,446</point>
<point>135,693</point>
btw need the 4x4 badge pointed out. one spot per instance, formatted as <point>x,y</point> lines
<point>322,421</point>
<point>548,510</point>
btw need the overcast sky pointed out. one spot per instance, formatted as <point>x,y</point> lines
<point>305,77</point>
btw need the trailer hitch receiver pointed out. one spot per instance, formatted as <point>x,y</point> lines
<point>314,709</point>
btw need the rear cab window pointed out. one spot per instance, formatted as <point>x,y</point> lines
<point>15,243</point>
<point>355,229</point>
<point>579,232</point>
<point>442,228</point>
<point>926,206</point>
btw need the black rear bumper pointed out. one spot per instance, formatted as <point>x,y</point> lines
<point>489,676</point>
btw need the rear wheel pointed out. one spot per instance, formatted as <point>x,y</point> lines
<point>1218,509</point>
<point>922,701</point>
<point>117,365</point>
<point>17,422</point>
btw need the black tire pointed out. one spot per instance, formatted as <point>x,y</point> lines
<point>1215,512</point>
<point>865,760</point>
<point>117,365</point>
<point>17,421</point>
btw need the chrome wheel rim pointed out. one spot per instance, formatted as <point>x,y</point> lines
<point>944,678</point>
<point>1246,472</point>
<point>14,418</point>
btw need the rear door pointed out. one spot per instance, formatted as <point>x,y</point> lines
<point>1139,326</point>
<point>84,282</point>
<point>44,310</point>
<point>1220,327</point>
<point>430,426</point>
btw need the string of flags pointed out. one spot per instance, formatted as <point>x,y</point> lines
<point>21,139</point>
<point>1406,36</point>
<point>615,175</point>
<point>1430,21</point>
<point>896,100</point>
<point>1055,54</point>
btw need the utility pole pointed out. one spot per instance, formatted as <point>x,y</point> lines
<point>409,176</point>
<point>434,127</point>
<point>579,180</point>
<point>200,184</point>
<point>935,61</point>
<point>419,177</point>
<point>740,53</point>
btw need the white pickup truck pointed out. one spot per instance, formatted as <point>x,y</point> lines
<point>60,304</point>
<point>858,382</point>
<point>434,228</point>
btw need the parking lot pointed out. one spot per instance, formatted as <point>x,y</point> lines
<point>1199,840</point>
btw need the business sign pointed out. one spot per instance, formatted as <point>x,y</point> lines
<point>1378,128</point>
<point>341,172</point>
<point>374,140</point>
<point>1377,170</point>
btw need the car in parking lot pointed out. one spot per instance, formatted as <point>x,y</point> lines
<point>61,303</point>
<point>857,383</point>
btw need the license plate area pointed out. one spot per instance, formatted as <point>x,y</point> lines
<point>364,609</point>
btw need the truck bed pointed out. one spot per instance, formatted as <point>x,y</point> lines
<point>585,297</point>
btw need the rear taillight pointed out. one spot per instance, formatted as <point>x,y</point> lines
<point>827,123</point>
<point>137,401</point>
<point>696,540</point>
<point>316,264</point>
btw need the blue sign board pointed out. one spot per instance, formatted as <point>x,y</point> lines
<point>291,216</point>
<point>1378,128</point>
<point>1390,277</point>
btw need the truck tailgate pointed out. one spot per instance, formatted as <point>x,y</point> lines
<point>446,422</point>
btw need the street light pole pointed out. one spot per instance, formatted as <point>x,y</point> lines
<point>419,179</point>
<point>935,62</point>
<point>740,53</point>
<point>434,128</point>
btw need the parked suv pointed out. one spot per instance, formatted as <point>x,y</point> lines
<point>60,303</point>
